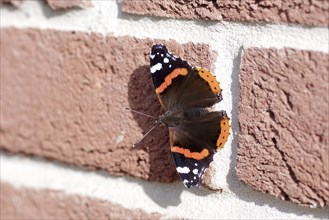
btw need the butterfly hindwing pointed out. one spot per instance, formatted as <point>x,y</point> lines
<point>194,143</point>
<point>209,128</point>
<point>191,170</point>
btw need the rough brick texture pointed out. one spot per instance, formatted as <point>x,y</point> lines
<point>56,4</point>
<point>295,11</point>
<point>12,2</point>
<point>63,94</point>
<point>26,203</point>
<point>283,115</point>
<point>65,4</point>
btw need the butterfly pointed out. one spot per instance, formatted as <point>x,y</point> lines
<point>186,93</point>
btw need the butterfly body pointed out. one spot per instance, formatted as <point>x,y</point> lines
<point>179,118</point>
<point>185,93</point>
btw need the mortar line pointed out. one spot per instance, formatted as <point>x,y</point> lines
<point>133,193</point>
<point>210,32</point>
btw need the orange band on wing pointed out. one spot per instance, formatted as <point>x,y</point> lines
<point>168,79</point>
<point>224,132</point>
<point>211,80</point>
<point>187,153</point>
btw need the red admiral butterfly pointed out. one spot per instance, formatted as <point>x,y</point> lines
<point>185,92</point>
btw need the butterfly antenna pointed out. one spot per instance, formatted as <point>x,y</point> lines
<point>141,113</point>
<point>137,142</point>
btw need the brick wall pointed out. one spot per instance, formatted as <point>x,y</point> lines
<point>68,68</point>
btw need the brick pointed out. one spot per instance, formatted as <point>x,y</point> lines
<point>15,3</point>
<point>63,94</point>
<point>295,11</point>
<point>65,4</point>
<point>283,142</point>
<point>25,203</point>
<point>56,4</point>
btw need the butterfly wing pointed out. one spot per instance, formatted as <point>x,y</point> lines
<point>186,91</point>
<point>194,143</point>
<point>178,85</point>
<point>166,68</point>
<point>191,170</point>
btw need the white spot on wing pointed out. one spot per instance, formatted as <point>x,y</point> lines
<point>170,66</point>
<point>152,56</point>
<point>196,164</point>
<point>183,169</point>
<point>166,60</point>
<point>195,171</point>
<point>156,67</point>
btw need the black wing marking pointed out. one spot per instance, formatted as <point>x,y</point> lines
<point>162,63</point>
<point>191,170</point>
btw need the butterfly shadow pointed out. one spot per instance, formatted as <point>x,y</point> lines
<point>141,97</point>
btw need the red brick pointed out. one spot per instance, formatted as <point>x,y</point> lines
<point>15,3</point>
<point>56,4</point>
<point>283,115</point>
<point>24,203</point>
<point>65,4</point>
<point>63,94</point>
<point>296,11</point>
